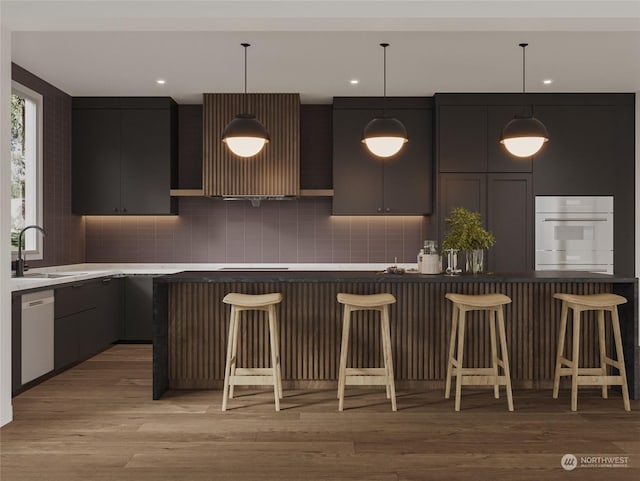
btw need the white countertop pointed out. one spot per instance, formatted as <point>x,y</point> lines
<point>79,272</point>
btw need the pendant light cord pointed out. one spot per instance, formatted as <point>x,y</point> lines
<point>384,78</point>
<point>524,47</point>
<point>245,45</point>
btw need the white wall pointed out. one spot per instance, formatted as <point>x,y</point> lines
<point>6,410</point>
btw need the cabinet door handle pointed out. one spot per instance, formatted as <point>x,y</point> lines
<point>75,286</point>
<point>124,209</point>
<point>379,209</point>
<point>106,280</point>
<point>115,209</point>
<point>387,209</point>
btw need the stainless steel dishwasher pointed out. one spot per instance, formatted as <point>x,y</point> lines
<point>37,334</point>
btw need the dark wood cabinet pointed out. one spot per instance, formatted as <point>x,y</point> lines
<point>138,309</point>
<point>124,155</point>
<point>510,218</point>
<point>505,202</point>
<point>316,153</point>
<point>87,319</point>
<point>368,185</point>
<point>462,138</point>
<point>468,136</point>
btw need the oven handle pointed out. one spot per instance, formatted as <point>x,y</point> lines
<point>569,219</point>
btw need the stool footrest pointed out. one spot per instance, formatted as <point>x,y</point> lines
<point>365,371</point>
<point>482,380</point>
<point>582,371</point>
<point>254,371</point>
<point>366,380</point>
<point>473,371</point>
<point>599,380</point>
<point>251,380</point>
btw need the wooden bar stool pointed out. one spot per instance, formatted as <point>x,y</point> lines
<point>493,303</point>
<point>367,376</point>
<point>233,375</point>
<point>590,376</point>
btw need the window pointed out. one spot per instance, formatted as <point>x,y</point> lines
<point>26,168</point>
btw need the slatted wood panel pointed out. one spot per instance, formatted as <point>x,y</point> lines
<point>311,320</point>
<point>273,171</point>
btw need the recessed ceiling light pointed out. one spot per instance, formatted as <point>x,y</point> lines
<point>354,81</point>
<point>161,81</point>
<point>547,81</point>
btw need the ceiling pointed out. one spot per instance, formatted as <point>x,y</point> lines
<point>317,47</point>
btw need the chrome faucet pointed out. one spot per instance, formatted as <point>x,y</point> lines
<point>20,260</point>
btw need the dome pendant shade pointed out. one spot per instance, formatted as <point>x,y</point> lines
<point>245,135</point>
<point>524,136</point>
<point>384,136</point>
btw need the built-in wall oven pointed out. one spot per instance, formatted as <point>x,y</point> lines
<point>574,233</point>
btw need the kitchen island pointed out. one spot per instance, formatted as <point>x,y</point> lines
<point>191,322</point>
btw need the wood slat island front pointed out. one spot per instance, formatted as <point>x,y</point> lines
<point>191,322</point>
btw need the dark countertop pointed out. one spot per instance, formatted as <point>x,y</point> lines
<point>370,276</point>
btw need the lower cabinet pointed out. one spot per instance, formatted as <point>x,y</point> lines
<point>138,309</point>
<point>505,202</point>
<point>87,319</point>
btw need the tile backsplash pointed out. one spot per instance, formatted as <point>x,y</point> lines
<point>290,231</point>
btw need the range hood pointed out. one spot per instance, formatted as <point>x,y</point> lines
<point>257,199</point>
<point>274,173</point>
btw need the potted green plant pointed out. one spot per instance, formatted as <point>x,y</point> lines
<point>466,233</point>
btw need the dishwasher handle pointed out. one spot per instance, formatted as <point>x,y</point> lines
<point>37,302</point>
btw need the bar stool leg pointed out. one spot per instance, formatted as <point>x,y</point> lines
<point>276,330</point>
<point>452,344</point>
<point>575,361</point>
<point>388,356</point>
<point>234,351</point>
<point>459,360</point>
<point>504,355</point>
<point>385,361</point>
<point>227,369</point>
<point>343,356</point>
<point>560,350</point>
<point>274,358</point>
<point>615,320</point>
<point>603,351</point>
<point>494,353</point>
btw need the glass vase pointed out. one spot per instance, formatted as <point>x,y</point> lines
<point>475,261</point>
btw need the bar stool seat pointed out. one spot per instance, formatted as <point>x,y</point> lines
<point>234,375</point>
<point>570,367</point>
<point>463,303</point>
<point>367,376</point>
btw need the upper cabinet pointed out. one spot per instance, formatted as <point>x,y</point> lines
<point>274,171</point>
<point>124,153</point>
<point>365,184</point>
<point>468,132</point>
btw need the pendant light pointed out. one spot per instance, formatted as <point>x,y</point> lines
<point>245,135</point>
<point>524,135</point>
<point>384,136</point>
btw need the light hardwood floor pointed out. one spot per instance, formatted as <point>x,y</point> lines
<point>97,422</point>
